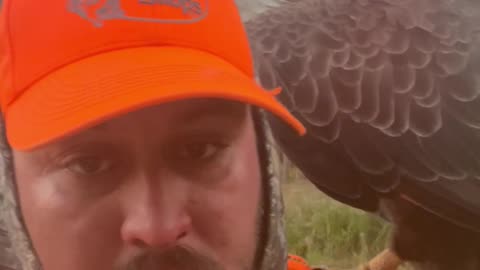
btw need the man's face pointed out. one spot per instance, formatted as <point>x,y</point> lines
<point>176,186</point>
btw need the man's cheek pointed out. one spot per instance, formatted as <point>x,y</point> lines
<point>228,221</point>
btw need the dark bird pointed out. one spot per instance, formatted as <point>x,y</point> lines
<point>389,91</point>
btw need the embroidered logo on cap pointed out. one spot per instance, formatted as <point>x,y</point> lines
<point>165,11</point>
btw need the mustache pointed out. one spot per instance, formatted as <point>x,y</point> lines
<point>176,258</point>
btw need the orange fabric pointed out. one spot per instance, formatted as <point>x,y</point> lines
<point>68,64</point>
<point>297,263</point>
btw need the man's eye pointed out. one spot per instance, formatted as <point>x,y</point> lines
<point>198,151</point>
<point>89,165</point>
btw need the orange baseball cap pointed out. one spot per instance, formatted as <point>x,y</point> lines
<point>69,64</point>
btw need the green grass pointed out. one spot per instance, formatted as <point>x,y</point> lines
<point>326,232</point>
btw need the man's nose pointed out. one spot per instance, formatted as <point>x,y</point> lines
<point>156,214</point>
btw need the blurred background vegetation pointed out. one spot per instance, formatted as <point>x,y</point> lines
<point>322,230</point>
<point>326,232</point>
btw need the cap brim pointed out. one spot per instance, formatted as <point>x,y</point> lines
<point>107,85</point>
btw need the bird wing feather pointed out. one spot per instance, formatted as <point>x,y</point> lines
<point>389,91</point>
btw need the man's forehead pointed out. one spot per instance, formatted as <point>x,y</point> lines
<point>183,112</point>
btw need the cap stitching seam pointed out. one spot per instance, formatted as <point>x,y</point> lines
<point>71,60</point>
<point>119,46</point>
